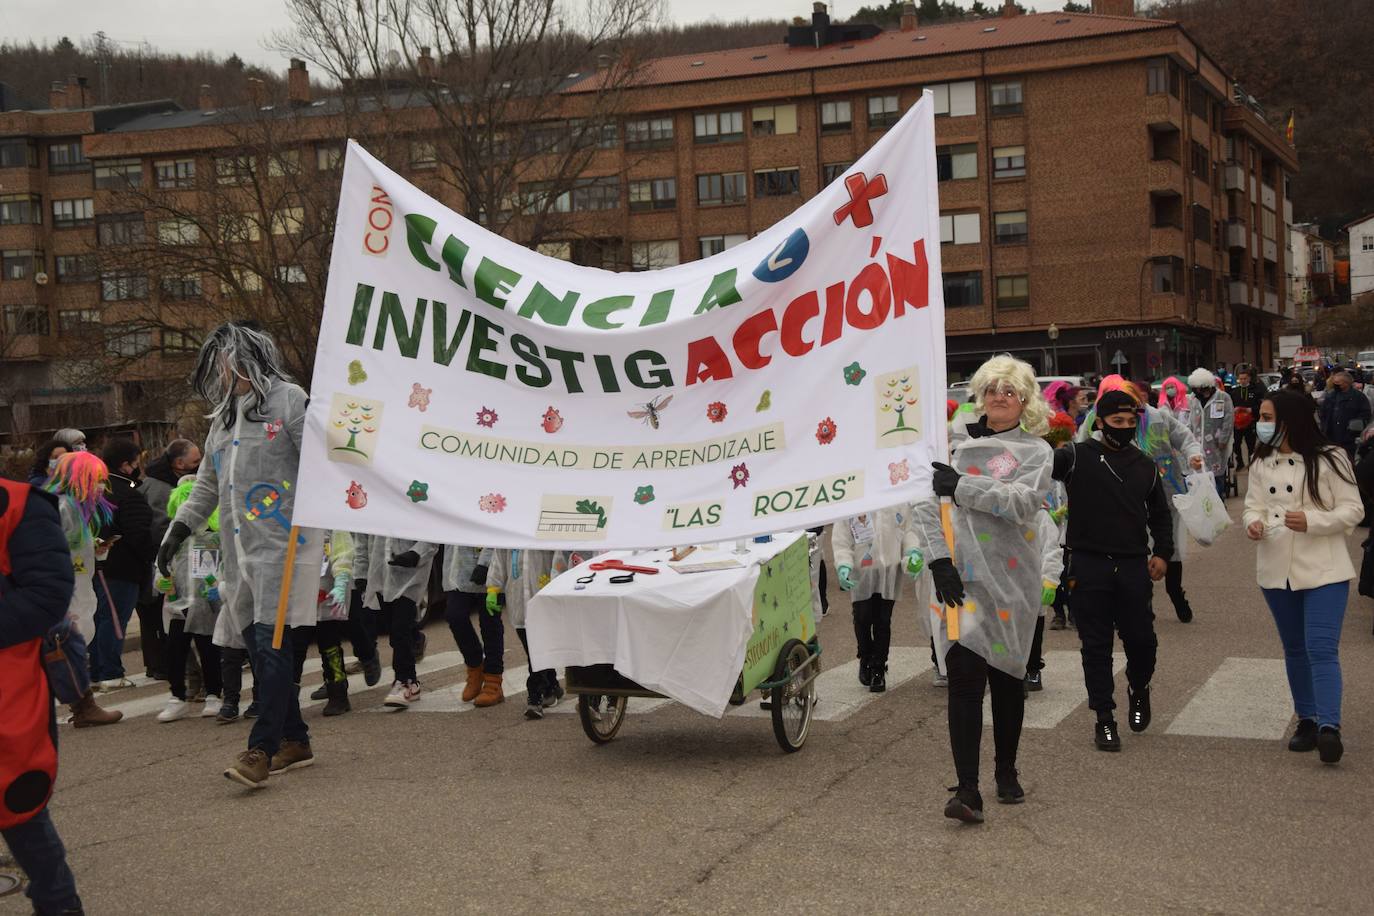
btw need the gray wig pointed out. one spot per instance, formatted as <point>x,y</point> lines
<point>233,351</point>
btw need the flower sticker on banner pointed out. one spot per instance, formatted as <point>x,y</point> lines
<point>552,421</point>
<point>644,495</point>
<point>739,476</point>
<point>418,492</point>
<point>716,411</point>
<point>825,431</point>
<point>492,502</point>
<point>899,471</point>
<point>419,397</point>
<point>487,417</point>
<point>854,373</point>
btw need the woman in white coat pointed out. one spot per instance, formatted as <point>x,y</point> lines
<point>1212,421</point>
<point>1301,505</point>
<point>870,552</point>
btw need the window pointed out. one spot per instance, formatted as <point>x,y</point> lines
<point>719,126</point>
<point>963,288</point>
<point>1201,160</point>
<point>237,228</point>
<point>242,278</point>
<point>833,170</point>
<point>1268,222</point>
<point>955,162</point>
<point>291,273</point>
<point>959,229</point>
<point>1367,243</point>
<point>1202,283</point>
<point>720,190</point>
<point>69,213</point>
<point>777,182</point>
<point>1164,145</point>
<point>180,286</point>
<point>1005,98</point>
<point>1161,76</point>
<point>1009,162</point>
<point>560,250</point>
<point>120,229</point>
<point>596,193</point>
<point>653,194</point>
<point>178,341</point>
<point>1202,224</point>
<point>121,286</point>
<point>715,244</point>
<point>1199,102</point>
<point>18,154</point>
<point>1167,211</point>
<point>1166,275</point>
<point>127,341</point>
<point>118,174</point>
<point>26,319</point>
<point>20,209</point>
<point>1009,227</point>
<point>649,133</point>
<point>955,99</point>
<point>593,135</point>
<point>283,163</point>
<point>288,221</point>
<point>67,157</point>
<point>75,268</point>
<point>329,156</point>
<point>232,170</point>
<point>422,155</point>
<point>174,173</point>
<point>543,197</point>
<point>883,111</point>
<point>73,322</point>
<point>836,117</point>
<point>1013,292</point>
<point>774,119</point>
<point>177,232</point>
<point>654,255</point>
<point>20,265</point>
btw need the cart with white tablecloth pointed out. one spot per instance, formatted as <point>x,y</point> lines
<point>706,630</point>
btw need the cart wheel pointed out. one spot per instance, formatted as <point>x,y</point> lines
<point>792,703</point>
<point>601,716</point>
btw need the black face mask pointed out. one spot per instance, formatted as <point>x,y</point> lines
<point>1118,437</point>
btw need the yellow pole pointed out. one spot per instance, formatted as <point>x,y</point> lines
<point>284,596</point>
<point>947,523</point>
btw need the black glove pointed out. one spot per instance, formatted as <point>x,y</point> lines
<point>408,560</point>
<point>949,588</point>
<point>944,480</point>
<point>171,542</point>
<point>479,574</point>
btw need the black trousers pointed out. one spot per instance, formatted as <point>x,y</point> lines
<point>1246,437</point>
<point>487,652</point>
<point>152,636</point>
<point>539,683</point>
<point>969,676</point>
<point>1173,584</point>
<point>329,636</point>
<point>873,629</point>
<point>362,624</point>
<point>1112,595</point>
<point>231,673</point>
<point>401,615</point>
<point>1036,662</point>
<point>178,647</point>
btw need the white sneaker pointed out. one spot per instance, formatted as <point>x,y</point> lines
<point>119,683</point>
<point>939,680</point>
<point>211,709</point>
<point>175,709</point>
<point>399,697</point>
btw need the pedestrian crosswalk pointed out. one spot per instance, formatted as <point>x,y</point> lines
<point>1242,698</point>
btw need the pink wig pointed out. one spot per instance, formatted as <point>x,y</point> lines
<point>1052,391</point>
<point>81,477</point>
<point>1180,399</point>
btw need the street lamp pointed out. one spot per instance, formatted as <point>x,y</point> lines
<point>1053,331</point>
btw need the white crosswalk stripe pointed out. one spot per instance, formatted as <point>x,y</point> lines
<point>1244,698</point>
<point>1064,690</point>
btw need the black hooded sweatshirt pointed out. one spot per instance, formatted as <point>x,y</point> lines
<point>1117,504</point>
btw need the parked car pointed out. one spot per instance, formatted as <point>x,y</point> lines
<point>1044,381</point>
<point>1270,380</point>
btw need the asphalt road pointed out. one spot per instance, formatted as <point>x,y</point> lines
<point>483,811</point>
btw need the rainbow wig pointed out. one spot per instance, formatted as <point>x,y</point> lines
<point>1179,401</point>
<point>81,477</point>
<point>1115,382</point>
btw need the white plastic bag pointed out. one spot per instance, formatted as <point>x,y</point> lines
<point>1202,510</point>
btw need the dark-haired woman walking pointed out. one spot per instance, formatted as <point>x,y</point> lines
<point>1301,505</point>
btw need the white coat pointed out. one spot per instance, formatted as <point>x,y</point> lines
<point>391,583</point>
<point>338,561</point>
<point>520,574</point>
<point>82,545</point>
<point>878,561</point>
<point>1051,552</point>
<point>1317,556</point>
<point>1213,425</point>
<point>190,600</point>
<point>459,562</point>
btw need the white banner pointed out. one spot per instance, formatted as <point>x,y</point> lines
<point>470,391</point>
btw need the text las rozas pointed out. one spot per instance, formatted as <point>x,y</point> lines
<point>880,291</point>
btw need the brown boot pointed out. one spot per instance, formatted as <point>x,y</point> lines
<point>491,691</point>
<point>473,685</point>
<point>87,713</point>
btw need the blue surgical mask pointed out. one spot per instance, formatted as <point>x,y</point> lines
<point>1268,433</point>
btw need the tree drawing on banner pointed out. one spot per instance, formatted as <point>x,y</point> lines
<point>898,394</point>
<point>895,395</point>
<point>353,427</point>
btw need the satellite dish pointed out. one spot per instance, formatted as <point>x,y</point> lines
<point>393,57</point>
<point>40,278</point>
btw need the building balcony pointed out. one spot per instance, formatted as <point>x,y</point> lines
<point>1268,197</point>
<point>29,347</point>
<point>1233,177</point>
<point>1164,111</point>
<point>1271,251</point>
<point>1236,234</point>
<point>1238,291</point>
<point>1166,175</point>
<point>1287,212</point>
<point>1271,301</point>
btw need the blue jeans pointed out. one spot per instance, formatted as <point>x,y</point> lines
<point>274,690</point>
<point>1309,623</point>
<point>106,651</point>
<point>37,848</point>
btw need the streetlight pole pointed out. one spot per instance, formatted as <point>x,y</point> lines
<point>1053,332</point>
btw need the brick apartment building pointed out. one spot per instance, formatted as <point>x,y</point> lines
<point>1099,176</point>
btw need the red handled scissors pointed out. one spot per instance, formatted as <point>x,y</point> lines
<point>628,571</point>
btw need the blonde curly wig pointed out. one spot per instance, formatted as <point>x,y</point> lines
<point>1007,369</point>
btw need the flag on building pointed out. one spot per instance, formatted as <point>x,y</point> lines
<point>1288,131</point>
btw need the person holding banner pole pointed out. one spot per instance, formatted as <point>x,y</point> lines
<point>253,453</point>
<point>988,588</point>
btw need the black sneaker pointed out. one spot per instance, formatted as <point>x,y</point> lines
<point>1059,622</point>
<point>877,682</point>
<point>1139,716</point>
<point>1304,737</point>
<point>1106,736</point>
<point>252,711</point>
<point>1009,791</point>
<point>1034,682</point>
<point>865,673</point>
<point>320,693</point>
<point>965,805</point>
<point>421,643</point>
<point>1329,745</point>
<point>372,670</point>
<point>534,707</point>
<point>1184,612</point>
<point>229,712</point>
<point>551,698</point>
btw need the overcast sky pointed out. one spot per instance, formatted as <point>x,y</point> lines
<point>242,26</point>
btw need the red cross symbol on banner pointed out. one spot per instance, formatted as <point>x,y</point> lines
<point>861,192</point>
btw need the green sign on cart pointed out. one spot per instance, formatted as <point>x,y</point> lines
<point>782,611</point>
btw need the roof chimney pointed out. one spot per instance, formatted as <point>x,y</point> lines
<point>909,17</point>
<point>603,61</point>
<point>1010,9</point>
<point>424,64</point>
<point>257,92</point>
<point>207,98</point>
<point>1114,7</point>
<point>820,19</point>
<point>57,94</point>
<point>298,83</point>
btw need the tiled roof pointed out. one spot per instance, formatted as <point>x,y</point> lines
<point>928,41</point>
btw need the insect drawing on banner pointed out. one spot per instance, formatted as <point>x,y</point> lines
<point>272,428</point>
<point>651,411</point>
